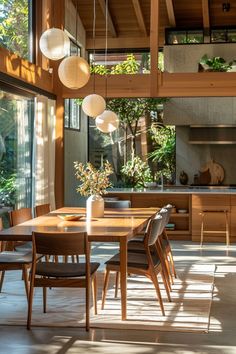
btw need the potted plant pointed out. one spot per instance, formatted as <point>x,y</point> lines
<point>94,183</point>
<point>214,64</point>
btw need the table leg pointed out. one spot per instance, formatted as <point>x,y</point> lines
<point>123,277</point>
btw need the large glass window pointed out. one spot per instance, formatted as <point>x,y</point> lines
<point>16,128</point>
<point>16,27</point>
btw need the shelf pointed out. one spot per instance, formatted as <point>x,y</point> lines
<point>179,215</point>
<point>178,232</point>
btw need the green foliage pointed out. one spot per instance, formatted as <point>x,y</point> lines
<point>7,188</point>
<point>164,154</point>
<point>128,66</point>
<point>14,26</point>
<point>215,63</point>
<point>136,172</point>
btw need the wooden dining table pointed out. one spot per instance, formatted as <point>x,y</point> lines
<point>117,225</point>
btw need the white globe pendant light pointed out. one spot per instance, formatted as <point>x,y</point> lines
<point>54,44</point>
<point>93,105</point>
<point>74,72</point>
<point>107,122</point>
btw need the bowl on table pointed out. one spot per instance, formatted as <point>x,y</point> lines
<point>70,217</point>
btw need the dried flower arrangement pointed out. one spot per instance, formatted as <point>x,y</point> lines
<point>93,181</point>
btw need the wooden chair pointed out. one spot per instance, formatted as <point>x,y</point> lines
<point>68,275</point>
<point>117,204</point>
<point>147,264</point>
<point>12,260</point>
<point>19,216</point>
<point>42,209</point>
<point>165,244</point>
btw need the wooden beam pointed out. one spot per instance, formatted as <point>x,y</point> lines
<point>110,23</point>
<point>154,45</point>
<point>139,15</point>
<point>205,14</point>
<point>171,13</point>
<point>170,85</point>
<point>11,64</point>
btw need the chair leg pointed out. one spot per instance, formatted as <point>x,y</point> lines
<point>30,302</point>
<point>170,275</point>
<point>166,285</point>
<point>172,263</point>
<point>156,284</point>
<point>117,282</point>
<point>25,278</point>
<point>94,291</point>
<point>2,279</point>
<point>202,230</point>
<point>87,324</point>
<point>44,299</point>
<point>104,292</point>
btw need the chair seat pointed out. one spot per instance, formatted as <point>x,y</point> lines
<point>25,247</point>
<point>15,257</point>
<point>135,260</point>
<point>60,270</point>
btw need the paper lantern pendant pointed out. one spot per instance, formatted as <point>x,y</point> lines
<point>54,44</point>
<point>93,105</point>
<point>107,122</point>
<point>74,72</point>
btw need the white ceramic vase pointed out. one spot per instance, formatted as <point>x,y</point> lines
<point>95,206</point>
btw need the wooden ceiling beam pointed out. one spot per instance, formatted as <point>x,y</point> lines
<point>139,16</point>
<point>171,13</point>
<point>154,46</point>
<point>205,14</point>
<point>170,85</point>
<point>110,23</point>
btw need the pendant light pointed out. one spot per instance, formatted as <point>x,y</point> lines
<point>54,44</point>
<point>74,71</point>
<point>93,105</point>
<point>108,121</point>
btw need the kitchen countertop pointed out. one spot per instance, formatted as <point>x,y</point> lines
<point>178,190</point>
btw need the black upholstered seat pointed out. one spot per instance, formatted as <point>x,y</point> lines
<point>64,270</point>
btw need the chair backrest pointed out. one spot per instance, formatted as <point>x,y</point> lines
<point>165,217</point>
<point>61,244</point>
<point>1,224</point>
<point>168,207</point>
<point>42,209</point>
<point>118,204</point>
<point>20,215</point>
<point>153,230</point>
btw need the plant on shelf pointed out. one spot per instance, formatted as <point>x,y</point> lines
<point>136,173</point>
<point>214,64</point>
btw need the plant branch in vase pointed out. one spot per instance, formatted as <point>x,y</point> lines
<point>93,183</point>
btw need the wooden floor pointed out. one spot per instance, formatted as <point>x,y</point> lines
<point>221,339</point>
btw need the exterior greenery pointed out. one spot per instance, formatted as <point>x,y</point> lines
<point>215,64</point>
<point>14,26</point>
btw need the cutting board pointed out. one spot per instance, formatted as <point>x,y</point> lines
<point>216,171</point>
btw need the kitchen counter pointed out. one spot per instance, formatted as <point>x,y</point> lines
<point>178,190</point>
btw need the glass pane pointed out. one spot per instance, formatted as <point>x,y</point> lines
<point>176,37</point>
<point>74,115</point>
<point>67,113</point>
<point>218,36</point>
<point>15,28</point>
<point>231,34</point>
<point>16,114</point>
<point>194,37</point>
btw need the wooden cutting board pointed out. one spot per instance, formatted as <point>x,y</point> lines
<point>216,170</point>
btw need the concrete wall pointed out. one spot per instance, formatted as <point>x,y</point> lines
<point>191,158</point>
<point>185,58</point>
<point>75,149</point>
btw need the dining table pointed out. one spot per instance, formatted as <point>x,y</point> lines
<point>117,225</point>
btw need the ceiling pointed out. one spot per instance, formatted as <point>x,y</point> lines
<point>129,20</point>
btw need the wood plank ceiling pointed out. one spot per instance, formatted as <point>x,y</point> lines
<point>129,20</point>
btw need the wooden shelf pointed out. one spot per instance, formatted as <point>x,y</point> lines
<point>179,215</point>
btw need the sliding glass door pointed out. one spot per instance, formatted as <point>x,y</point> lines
<point>16,135</point>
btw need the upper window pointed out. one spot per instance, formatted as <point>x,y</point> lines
<point>72,114</point>
<point>184,36</point>
<point>16,27</point>
<point>222,35</point>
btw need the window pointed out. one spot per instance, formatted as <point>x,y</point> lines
<point>223,35</point>
<point>72,114</point>
<point>184,36</point>
<point>16,134</point>
<point>16,27</point>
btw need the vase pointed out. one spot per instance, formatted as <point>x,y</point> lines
<point>183,178</point>
<point>95,206</point>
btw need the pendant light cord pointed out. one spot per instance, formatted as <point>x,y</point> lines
<point>106,33</point>
<point>94,33</point>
